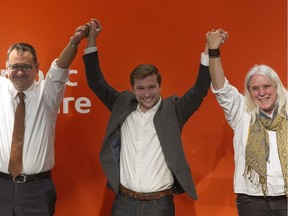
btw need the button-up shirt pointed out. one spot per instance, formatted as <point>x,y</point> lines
<point>233,104</point>
<point>42,101</point>
<point>142,163</point>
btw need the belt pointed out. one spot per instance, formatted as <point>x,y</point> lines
<point>145,196</point>
<point>22,178</point>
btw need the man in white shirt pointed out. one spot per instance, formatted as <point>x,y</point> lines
<point>31,190</point>
<point>142,153</point>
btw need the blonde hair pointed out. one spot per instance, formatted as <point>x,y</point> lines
<point>272,76</point>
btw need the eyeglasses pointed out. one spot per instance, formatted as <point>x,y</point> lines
<point>17,67</point>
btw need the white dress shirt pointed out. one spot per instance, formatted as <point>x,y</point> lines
<point>142,163</point>
<point>42,101</point>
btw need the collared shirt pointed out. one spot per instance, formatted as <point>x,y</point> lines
<point>233,104</point>
<point>142,163</point>
<point>42,101</point>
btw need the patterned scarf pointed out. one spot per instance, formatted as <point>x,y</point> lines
<point>257,149</point>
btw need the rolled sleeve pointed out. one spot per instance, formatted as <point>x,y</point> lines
<point>55,83</point>
<point>56,73</point>
<point>232,102</point>
<point>224,90</point>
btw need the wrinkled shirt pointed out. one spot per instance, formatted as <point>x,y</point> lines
<point>233,104</point>
<point>42,101</point>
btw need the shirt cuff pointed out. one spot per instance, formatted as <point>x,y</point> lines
<point>204,59</point>
<point>90,50</point>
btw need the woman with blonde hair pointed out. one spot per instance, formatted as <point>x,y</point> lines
<point>259,121</point>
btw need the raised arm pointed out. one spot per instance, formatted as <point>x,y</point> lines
<point>214,40</point>
<point>69,52</point>
<point>94,76</point>
<point>95,29</point>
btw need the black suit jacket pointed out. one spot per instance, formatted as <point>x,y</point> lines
<point>169,120</point>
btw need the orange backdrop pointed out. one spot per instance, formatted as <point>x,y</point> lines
<point>171,35</point>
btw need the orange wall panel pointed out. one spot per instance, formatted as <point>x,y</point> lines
<point>171,35</point>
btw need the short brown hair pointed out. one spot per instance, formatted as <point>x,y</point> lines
<point>144,70</point>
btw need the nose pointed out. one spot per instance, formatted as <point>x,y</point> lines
<point>262,91</point>
<point>20,72</point>
<point>146,92</point>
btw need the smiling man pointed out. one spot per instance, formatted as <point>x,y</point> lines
<point>28,113</point>
<point>142,154</point>
<point>22,67</point>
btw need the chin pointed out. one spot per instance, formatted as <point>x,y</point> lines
<point>267,109</point>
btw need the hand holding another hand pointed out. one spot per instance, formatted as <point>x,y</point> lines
<point>216,38</point>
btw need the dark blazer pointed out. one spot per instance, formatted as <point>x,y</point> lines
<point>169,120</point>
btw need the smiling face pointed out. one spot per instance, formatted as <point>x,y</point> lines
<point>21,69</point>
<point>147,91</point>
<point>263,92</point>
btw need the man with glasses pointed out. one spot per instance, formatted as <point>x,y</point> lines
<point>26,160</point>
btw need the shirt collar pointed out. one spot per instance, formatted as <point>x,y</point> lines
<point>14,91</point>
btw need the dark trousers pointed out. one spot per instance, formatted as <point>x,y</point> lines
<point>27,199</point>
<point>259,206</point>
<point>125,205</point>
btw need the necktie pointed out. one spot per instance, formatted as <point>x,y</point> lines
<point>15,164</point>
